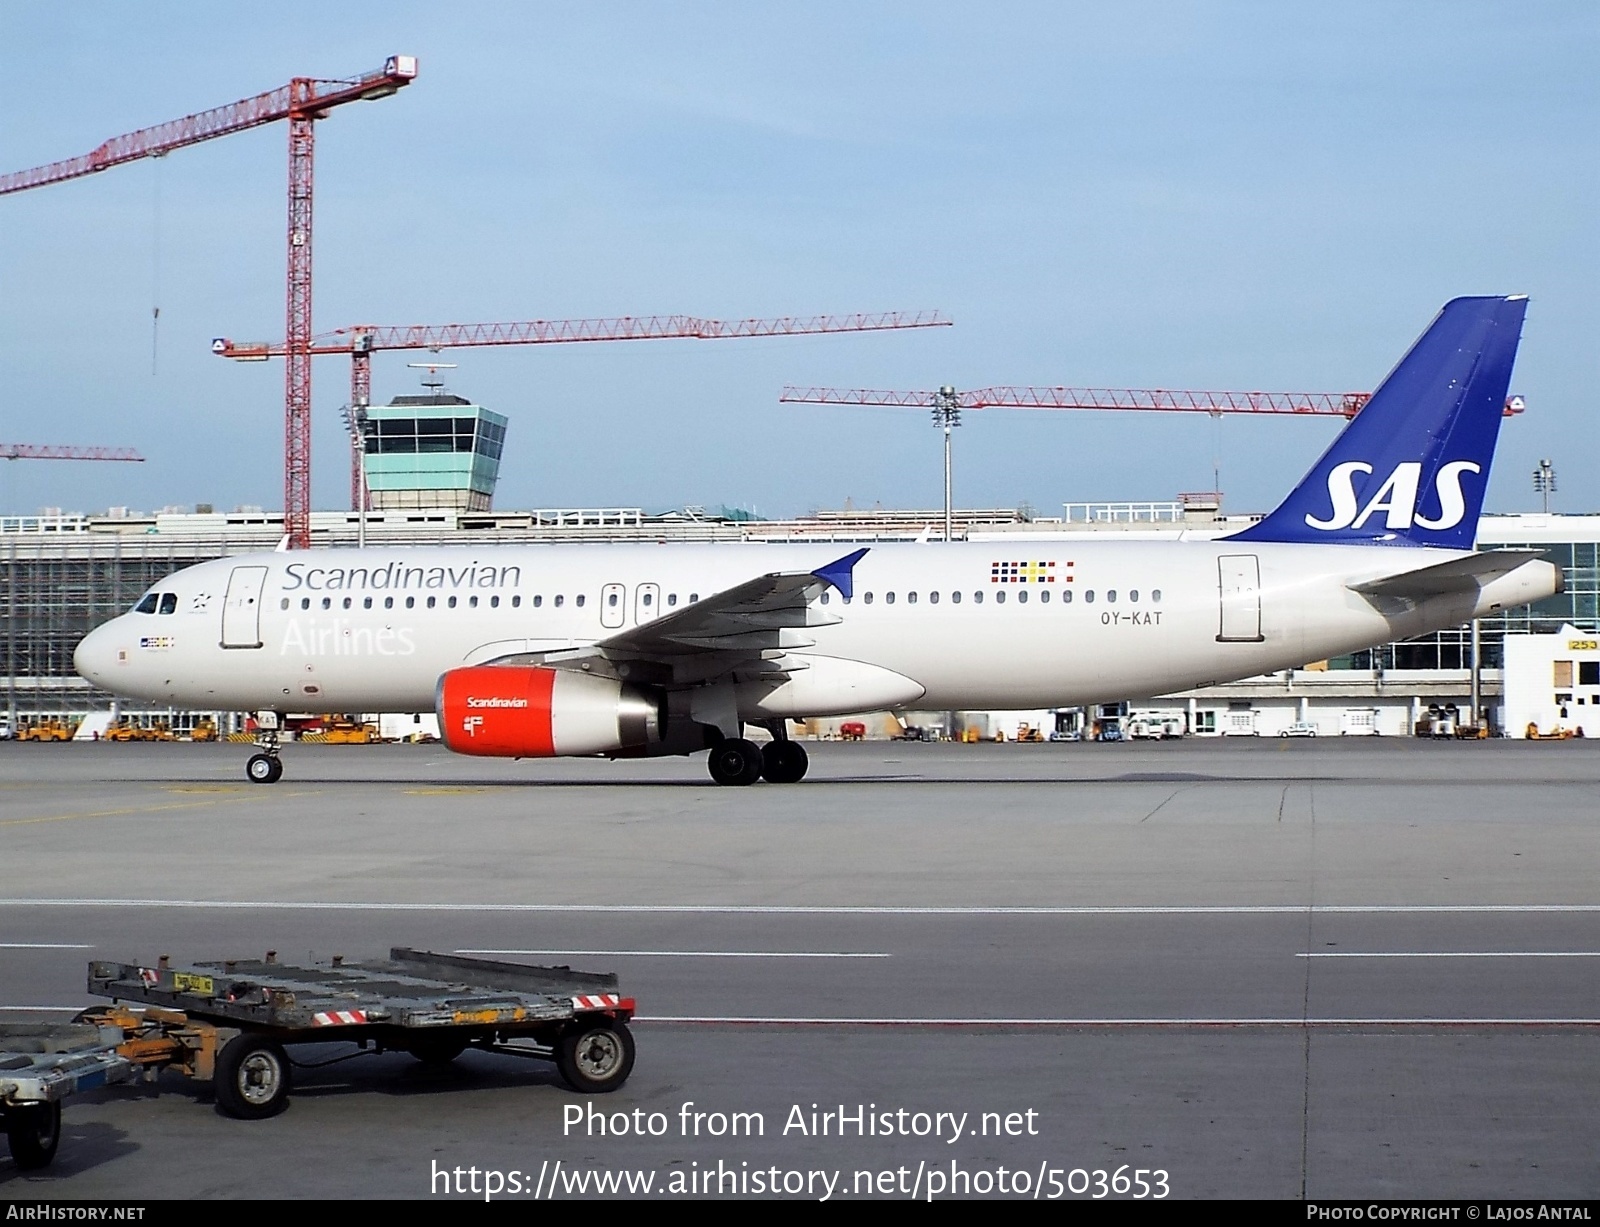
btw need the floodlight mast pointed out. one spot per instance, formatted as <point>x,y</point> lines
<point>947,414</point>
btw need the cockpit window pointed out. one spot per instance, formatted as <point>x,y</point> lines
<point>148,605</point>
<point>169,602</point>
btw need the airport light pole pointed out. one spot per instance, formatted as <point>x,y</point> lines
<point>1477,679</point>
<point>947,414</point>
<point>1544,482</point>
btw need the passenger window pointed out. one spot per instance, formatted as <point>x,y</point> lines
<point>347,602</point>
<point>888,598</point>
<point>977,597</point>
<point>327,602</point>
<point>432,601</point>
<point>1155,595</point>
<point>411,602</point>
<point>366,602</point>
<point>1088,597</point>
<point>148,605</point>
<point>560,600</point>
<point>169,602</point>
<point>1022,596</point>
<point>1000,597</point>
<point>611,600</point>
<point>516,602</point>
<point>1111,595</point>
<point>472,601</point>
<point>284,604</point>
<point>911,598</point>
<point>648,600</point>
<point>672,598</point>
<point>305,602</point>
<point>1133,595</point>
<point>955,598</point>
<point>1044,597</point>
<point>579,601</point>
<point>388,602</point>
<point>868,598</point>
<point>693,597</point>
<point>933,598</point>
<point>494,602</point>
<point>1066,596</point>
<point>451,602</point>
<point>825,596</point>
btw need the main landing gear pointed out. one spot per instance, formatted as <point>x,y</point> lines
<point>265,767</point>
<point>737,761</point>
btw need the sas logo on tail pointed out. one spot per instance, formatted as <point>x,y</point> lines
<point>1396,497</point>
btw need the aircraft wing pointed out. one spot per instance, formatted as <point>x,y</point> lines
<point>1457,575</point>
<point>758,619</point>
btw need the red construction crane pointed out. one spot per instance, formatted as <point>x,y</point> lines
<point>1314,404</point>
<point>361,341</point>
<point>302,101</point>
<point>45,451</point>
<point>947,404</point>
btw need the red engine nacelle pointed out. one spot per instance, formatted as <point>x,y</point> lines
<point>524,712</point>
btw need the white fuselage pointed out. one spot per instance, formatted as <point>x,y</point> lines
<point>984,625</point>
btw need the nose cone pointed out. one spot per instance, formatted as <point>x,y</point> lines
<point>94,656</point>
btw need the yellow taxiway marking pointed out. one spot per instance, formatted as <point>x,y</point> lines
<point>439,792</point>
<point>139,809</point>
<point>207,788</point>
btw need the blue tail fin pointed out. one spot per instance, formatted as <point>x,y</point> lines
<point>1411,469</point>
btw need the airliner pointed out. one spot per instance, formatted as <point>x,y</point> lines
<point>628,650</point>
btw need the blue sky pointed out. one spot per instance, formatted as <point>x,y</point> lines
<point>1228,196</point>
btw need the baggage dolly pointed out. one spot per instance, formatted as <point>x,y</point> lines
<point>231,1022</point>
<point>40,1065</point>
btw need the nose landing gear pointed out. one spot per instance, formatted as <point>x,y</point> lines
<point>265,767</point>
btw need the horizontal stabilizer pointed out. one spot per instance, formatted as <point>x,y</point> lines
<point>1457,575</point>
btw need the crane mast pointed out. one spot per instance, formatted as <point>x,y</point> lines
<point>301,102</point>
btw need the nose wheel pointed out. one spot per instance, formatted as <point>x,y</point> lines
<point>263,769</point>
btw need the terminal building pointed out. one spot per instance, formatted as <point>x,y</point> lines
<point>432,474</point>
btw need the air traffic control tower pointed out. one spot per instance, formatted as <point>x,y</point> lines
<point>435,450</point>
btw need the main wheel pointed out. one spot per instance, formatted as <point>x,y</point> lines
<point>784,762</point>
<point>252,1078</point>
<point>594,1058</point>
<point>34,1133</point>
<point>263,769</point>
<point>735,761</point>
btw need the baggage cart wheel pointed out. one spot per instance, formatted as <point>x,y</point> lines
<point>595,1057</point>
<point>34,1133</point>
<point>437,1050</point>
<point>252,1078</point>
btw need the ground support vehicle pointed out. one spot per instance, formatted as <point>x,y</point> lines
<point>232,1022</point>
<point>50,730</point>
<point>40,1065</point>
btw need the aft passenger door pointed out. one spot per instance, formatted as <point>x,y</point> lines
<point>1239,593</point>
<point>241,608</point>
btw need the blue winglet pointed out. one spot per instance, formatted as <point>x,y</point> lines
<point>839,573</point>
